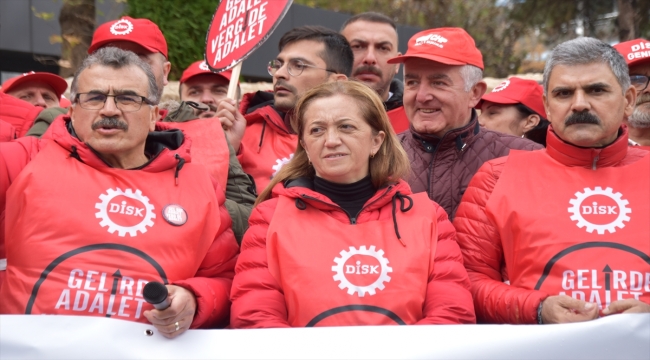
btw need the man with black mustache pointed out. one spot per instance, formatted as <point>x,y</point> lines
<point>561,235</point>
<point>373,39</point>
<point>112,193</point>
<point>263,137</point>
<point>637,54</point>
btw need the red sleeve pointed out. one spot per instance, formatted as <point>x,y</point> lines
<point>257,298</point>
<point>480,243</point>
<point>213,280</point>
<point>448,298</point>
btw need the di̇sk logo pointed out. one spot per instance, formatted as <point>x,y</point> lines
<point>599,210</point>
<point>126,212</point>
<point>121,27</point>
<point>279,163</point>
<point>362,271</point>
<point>501,86</point>
<point>203,66</point>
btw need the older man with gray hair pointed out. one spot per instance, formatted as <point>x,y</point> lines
<point>561,235</point>
<point>443,73</point>
<point>110,203</point>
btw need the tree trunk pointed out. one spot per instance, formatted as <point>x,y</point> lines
<point>77,20</point>
<point>626,20</point>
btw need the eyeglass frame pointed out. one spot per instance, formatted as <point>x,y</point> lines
<point>647,81</point>
<point>272,72</point>
<point>143,100</point>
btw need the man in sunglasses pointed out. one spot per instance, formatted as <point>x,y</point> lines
<point>263,137</point>
<point>110,203</point>
<point>637,55</point>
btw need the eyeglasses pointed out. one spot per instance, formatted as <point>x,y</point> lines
<point>294,67</point>
<point>640,82</point>
<point>126,103</point>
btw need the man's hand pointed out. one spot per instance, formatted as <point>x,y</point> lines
<point>232,121</point>
<point>627,306</point>
<point>564,309</point>
<point>181,311</point>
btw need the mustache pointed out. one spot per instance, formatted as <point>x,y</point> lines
<point>110,123</point>
<point>368,69</point>
<point>583,117</point>
<point>643,98</point>
<point>283,84</point>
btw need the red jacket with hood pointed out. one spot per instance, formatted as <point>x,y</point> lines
<point>261,301</point>
<point>18,114</point>
<point>268,143</point>
<point>197,221</point>
<point>521,245</point>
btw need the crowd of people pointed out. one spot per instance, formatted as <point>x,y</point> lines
<point>345,196</point>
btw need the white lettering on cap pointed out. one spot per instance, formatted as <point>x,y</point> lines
<point>431,39</point>
<point>203,66</point>
<point>121,27</point>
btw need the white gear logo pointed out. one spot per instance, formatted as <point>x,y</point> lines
<point>611,227</point>
<point>123,230</point>
<point>121,24</point>
<point>361,290</point>
<point>501,86</point>
<point>203,66</point>
<point>279,163</point>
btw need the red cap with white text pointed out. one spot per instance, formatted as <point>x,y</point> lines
<point>451,46</point>
<point>634,51</point>
<point>57,83</point>
<point>143,32</point>
<point>517,91</point>
<point>200,68</point>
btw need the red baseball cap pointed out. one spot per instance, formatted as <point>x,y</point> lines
<point>143,32</point>
<point>199,68</point>
<point>634,51</point>
<point>451,46</point>
<point>517,91</point>
<point>58,84</point>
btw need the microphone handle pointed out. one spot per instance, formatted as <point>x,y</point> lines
<point>162,305</point>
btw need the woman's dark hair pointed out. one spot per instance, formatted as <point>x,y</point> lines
<point>538,133</point>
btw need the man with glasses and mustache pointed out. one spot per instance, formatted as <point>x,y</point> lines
<point>637,54</point>
<point>263,137</point>
<point>113,201</point>
<point>373,39</point>
<point>561,235</point>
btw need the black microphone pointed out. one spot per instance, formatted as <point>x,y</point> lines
<point>155,293</point>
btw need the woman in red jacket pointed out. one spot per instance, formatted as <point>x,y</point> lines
<point>337,238</point>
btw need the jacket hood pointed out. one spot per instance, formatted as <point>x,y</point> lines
<point>303,188</point>
<point>395,101</point>
<point>253,101</point>
<point>571,155</point>
<point>166,148</point>
<point>258,107</point>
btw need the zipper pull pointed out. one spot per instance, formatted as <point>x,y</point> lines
<point>593,165</point>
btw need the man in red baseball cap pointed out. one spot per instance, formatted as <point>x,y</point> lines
<point>140,36</point>
<point>37,88</point>
<point>443,73</point>
<point>144,38</point>
<point>514,107</point>
<point>201,85</point>
<point>637,55</point>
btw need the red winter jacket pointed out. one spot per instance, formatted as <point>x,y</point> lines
<point>213,268</point>
<point>17,113</point>
<point>259,300</point>
<point>481,240</point>
<point>268,143</point>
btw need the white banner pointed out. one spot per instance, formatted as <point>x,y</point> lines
<point>72,337</point>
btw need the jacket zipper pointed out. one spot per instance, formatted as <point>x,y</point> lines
<point>353,220</point>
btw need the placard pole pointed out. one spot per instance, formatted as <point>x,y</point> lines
<point>234,80</point>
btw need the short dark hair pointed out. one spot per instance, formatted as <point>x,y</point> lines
<point>337,55</point>
<point>370,16</point>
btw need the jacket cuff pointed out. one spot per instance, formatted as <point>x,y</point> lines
<point>208,303</point>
